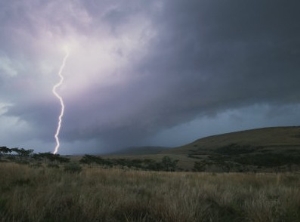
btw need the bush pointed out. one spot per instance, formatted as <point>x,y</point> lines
<point>168,164</point>
<point>73,168</point>
<point>199,166</point>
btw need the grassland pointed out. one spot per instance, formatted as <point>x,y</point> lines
<point>252,175</point>
<point>96,194</point>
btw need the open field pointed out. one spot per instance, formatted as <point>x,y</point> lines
<point>97,194</point>
<point>261,183</point>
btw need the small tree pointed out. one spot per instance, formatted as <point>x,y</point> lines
<point>73,167</point>
<point>62,159</point>
<point>199,166</point>
<point>90,159</point>
<point>37,157</point>
<point>168,164</point>
<point>22,153</point>
<point>52,157</point>
<point>4,150</point>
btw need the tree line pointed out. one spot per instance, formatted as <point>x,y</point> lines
<point>22,155</point>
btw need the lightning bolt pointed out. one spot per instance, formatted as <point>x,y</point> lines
<point>62,110</point>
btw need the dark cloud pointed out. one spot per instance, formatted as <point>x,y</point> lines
<point>237,53</point>
<point>190,59</point>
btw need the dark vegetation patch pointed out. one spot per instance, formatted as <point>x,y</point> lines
<point>166,164</point>
<point>269,160</point>
<point>235,149</point>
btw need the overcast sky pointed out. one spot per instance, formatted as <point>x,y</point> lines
<point>159,72</point>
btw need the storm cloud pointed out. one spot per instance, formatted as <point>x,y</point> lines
<point>145,72</point>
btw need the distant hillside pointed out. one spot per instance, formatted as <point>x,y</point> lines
<point>144,150</point>
<point>258,150</point>
<point>264,138</point>
<point>266,149</point>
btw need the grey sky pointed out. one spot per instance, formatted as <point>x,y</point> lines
<point>146,72</point>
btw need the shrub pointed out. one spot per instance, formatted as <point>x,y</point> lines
<point>199,166</point>
<point>73,167</point>
<point>168,164</point>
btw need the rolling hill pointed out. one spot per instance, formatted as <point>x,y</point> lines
<point>264,138</point>
<point>257,149</point>
<point>144,150</point>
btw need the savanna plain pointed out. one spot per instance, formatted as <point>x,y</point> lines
<point>251,176</point>
<point>93,193</point>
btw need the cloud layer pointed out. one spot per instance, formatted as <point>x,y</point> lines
<point>137,69</point>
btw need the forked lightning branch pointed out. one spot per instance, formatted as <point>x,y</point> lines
<point>62,110</point>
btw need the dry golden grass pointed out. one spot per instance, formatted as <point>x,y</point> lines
<point>95,194</point>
